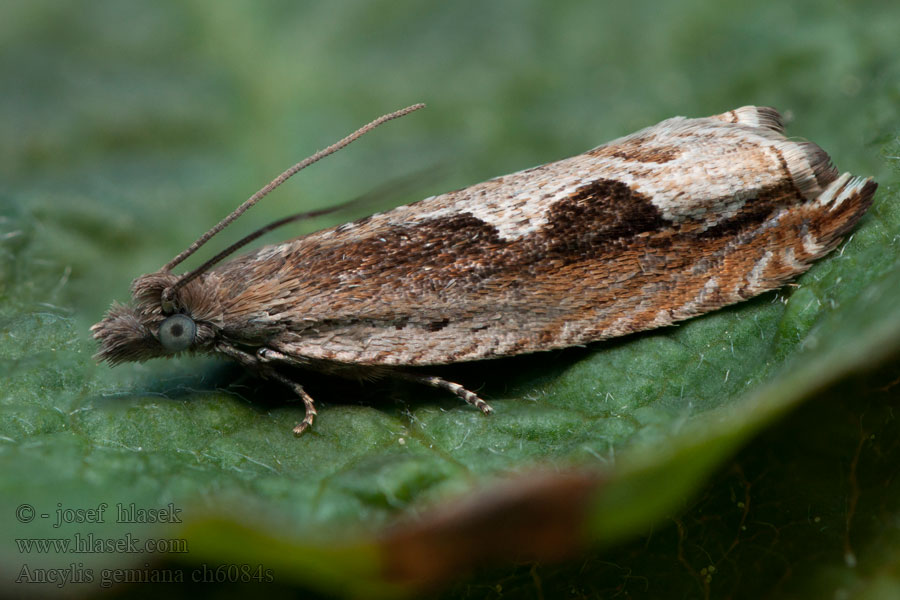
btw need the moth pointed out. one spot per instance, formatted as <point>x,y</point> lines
<point>671,222</point>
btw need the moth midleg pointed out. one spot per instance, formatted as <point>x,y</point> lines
<point>454,388</point>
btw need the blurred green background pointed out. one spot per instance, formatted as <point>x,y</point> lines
<point>129,128</point>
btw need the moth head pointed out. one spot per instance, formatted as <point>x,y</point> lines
<point>176,313</point>
<point>146,329</point>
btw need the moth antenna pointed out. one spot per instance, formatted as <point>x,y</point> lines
<point>391,187</point>
<point>169,292</point>
<point>188,277</point>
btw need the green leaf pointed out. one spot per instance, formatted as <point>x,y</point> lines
<point>133,127</point>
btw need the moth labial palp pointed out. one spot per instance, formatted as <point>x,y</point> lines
<point>673,221</point>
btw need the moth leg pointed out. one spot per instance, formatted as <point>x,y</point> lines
<point>256,361</point>
<point>308,402</point>
<point>268,355</point>
<point>454,388</point>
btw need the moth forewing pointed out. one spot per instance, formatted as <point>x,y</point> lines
<point>673,221</point>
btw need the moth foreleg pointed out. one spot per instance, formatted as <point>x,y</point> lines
<point>454,388</point>
<point>257,362</point>
<point>308,402</point>
<point>268,355</point>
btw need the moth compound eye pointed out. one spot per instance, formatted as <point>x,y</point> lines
<point>177,332</point>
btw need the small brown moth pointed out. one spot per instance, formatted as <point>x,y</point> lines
<point>673,221</point>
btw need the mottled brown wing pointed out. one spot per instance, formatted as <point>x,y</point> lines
<point>671,222</point>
